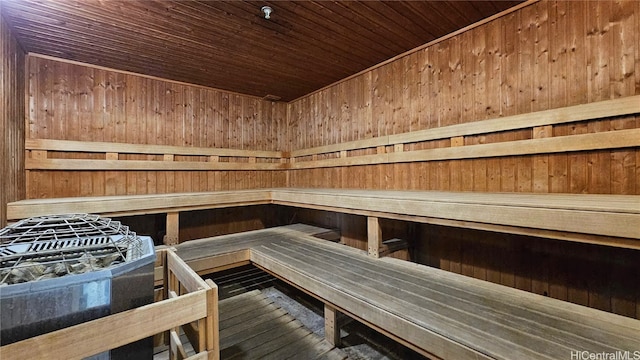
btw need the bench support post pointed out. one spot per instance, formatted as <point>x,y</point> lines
<point>173,229</point>
<point>374,236</point>
<point>331,328</point>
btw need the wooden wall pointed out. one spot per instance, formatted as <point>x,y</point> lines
<point>547,55</point>
<point>12,125</point>
<point>68,101</point>
<point>205,223</point>
<point>601,277</point>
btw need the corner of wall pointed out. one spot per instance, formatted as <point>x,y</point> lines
<point>12,120</point>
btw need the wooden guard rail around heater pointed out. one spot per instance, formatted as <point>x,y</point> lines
<point>187,299</point>
<point>41,153</point>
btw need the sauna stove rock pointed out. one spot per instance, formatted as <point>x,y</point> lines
<point>62,270</point>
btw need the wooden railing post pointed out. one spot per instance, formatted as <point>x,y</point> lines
<point>165,288</point>
<point>173,229</point>
<point>212,322</point>
<point>331,328</point>
<point>374,236</point>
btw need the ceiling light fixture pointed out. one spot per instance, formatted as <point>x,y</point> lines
<point>267,10</point>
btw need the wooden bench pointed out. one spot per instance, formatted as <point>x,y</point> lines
<point>612,220</point>
<point>434,312</point>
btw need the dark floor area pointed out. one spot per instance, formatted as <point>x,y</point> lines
<point>358,340</point>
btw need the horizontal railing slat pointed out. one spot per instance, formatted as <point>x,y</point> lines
<point>191,281</point>
<point>571,143</point>
<point>597,110</point>
<point>144,165</point>
<point>125,148</point>
<point>96,336</point>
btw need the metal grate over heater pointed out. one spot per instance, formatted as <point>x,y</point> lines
<point>48,247</point>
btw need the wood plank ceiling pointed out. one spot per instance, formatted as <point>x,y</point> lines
<point>304,46</point>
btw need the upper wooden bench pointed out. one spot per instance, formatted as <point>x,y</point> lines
<point>604,219</point>
<point>435,312</point>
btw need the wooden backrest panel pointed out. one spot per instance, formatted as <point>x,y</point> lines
<point>590,111</point>
<point>125,148</point>
<point>347,154</point>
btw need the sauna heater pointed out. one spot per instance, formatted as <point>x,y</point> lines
<point>62,270</point>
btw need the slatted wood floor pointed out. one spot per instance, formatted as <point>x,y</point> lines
<point>449,314</point>
<point>253,327</point>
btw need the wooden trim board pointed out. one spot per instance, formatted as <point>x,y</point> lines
<point>138,204</point>
<point>125,148</point>
<point>501,209</point>
<point>560,144</point>
<point>146,165</point>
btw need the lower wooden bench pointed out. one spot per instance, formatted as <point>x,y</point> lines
<point>437,313</point>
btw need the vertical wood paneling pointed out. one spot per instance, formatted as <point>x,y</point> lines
<point>549,54</point>
<point>12,120</point>
<point>214,222</point>
<point>74,102</point>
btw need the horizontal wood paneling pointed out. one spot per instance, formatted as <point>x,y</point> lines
<point>548,55</point>
<point>84,103</point>
<point>12,124</point>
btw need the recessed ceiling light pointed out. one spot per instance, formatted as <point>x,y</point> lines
<point>267,10</point>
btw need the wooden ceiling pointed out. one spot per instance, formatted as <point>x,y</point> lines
<point>305,46</point>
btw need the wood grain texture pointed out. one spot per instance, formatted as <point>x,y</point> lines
<point>139,204</point>
<point>157,117</point>
<point>434,302</point>
<point>548,55</point>
<point>570,212</point>
<point>191,42</point>
<point>112,331</point>
<point>476,149</point>
<point>566,271</point>
<point>613,218</point>
<point>509,67</point>
<point>12,120</point>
